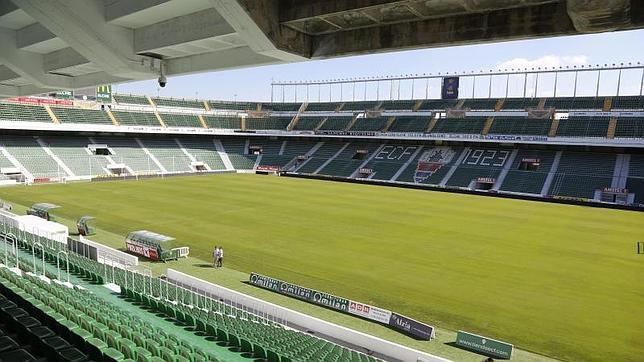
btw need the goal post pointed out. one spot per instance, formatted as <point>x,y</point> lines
<point>640,247</point>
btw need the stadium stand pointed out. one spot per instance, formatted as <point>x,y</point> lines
<point>127,151</point>
<point>630,128</point>
<point>635,180</point>
<point>471,125</point>
<point>296,148</point>
<point>23,112</point>
<point>271,154</point>
<point>281,107</point>
<point>405,105</point>
<point>77,115</point>
<point>28,152</point>
<point>360,106</point>
<point>430,166</point>
<point>388,160</point>
<point>277,123</point>
<point>348,161</point>
<point>130,99</point>
<point>320,156</point>
<point>308,123</point>
<point>438,104</point>
<point>68,156</point>
<point>628,103</point>
<point>336,123</point>
<point>571,103</point>
<point>520,103</point>
<point>410,124</point>
<point>203,150</point>
<point>223,122</point>
<point>168,153</point>
<point>581,174</point>
<point>479,163</point>
<point>583,127</point>
<point>180,120</point>
<point>369,124</point>
<point>74,153</point>
<point>237,153</point>
<point>480,104</point>
<point>322,107</point>
<point>180,103</point>
<point>520,126</point>
<point>136,118</point>
<point>84,321</point>
<point>241,106</point>
<point>525,176</point>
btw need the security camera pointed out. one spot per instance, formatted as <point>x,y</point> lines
<point>162,79</point>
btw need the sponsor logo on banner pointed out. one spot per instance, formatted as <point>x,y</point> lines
<point>306,294</point>
<point>486,180</point>
<point>396,321</point>
<point>146,251</point>
<point>431,161</point>
<point>411,327</point>
<point>268,168</point>
<point>369,312</point>
<point>615,190</point>
<point>484,345</point>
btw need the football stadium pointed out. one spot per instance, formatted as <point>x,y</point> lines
<point>475,215</point>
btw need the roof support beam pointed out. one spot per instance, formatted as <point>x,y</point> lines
<point>7,74</point>
<point>222,60</point>
<point>183,29</point>
<point>517,23</point>
<point>19,91</point>
<point>593,16</point>
<point>119,9</point>
<point>33,34</point>
<point>61,59</point>
<point>7,7</point>
<point>257,22</point>
<point>28,65</point>
<point>81,24</point>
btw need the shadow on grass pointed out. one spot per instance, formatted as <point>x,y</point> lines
<point>204,265</point>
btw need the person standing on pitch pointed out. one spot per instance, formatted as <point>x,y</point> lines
<point>215,255</point>
<point>220,260</point>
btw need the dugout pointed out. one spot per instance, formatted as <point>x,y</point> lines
<point>85,225</point>
<point>43,210</point>
<point>154,246</point>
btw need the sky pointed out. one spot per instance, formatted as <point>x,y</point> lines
<point>255,83</point>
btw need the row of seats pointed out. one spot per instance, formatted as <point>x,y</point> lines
<point>97,320</point>
<point>23,112</point>
<point>151,155</point>
<point>567,127</point>
<point>180,103</point>
<point>24,336</point>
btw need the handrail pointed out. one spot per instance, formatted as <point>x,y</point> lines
<point>66,263</point>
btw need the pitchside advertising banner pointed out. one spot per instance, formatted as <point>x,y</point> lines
<point>484,345</point>
<point>394,320</point>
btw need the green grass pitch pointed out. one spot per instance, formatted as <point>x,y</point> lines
<point>563,281</point>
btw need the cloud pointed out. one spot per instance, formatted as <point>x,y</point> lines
<point>548,61</point>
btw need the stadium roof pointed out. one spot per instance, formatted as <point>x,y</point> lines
<point>71,44</point>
